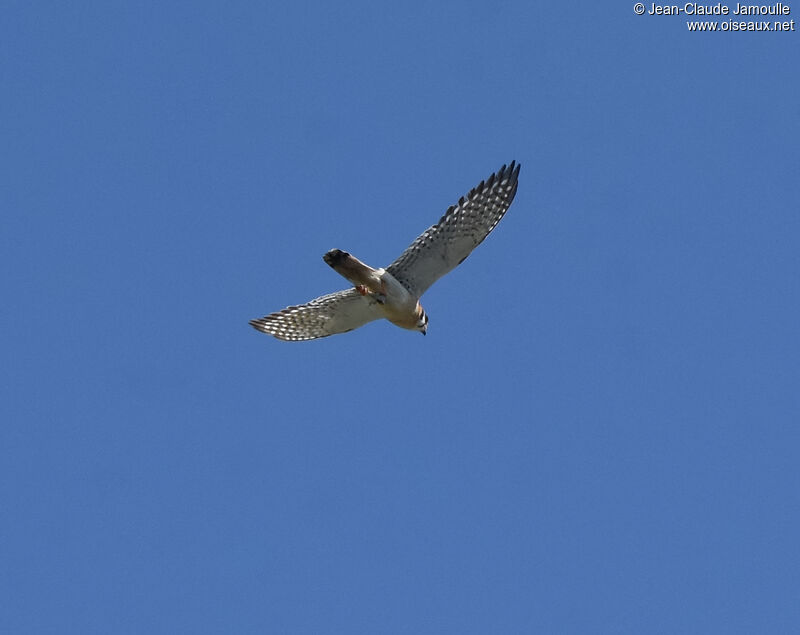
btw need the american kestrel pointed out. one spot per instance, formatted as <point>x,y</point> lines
<point>394,292</point>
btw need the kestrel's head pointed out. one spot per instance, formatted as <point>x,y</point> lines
<point>422,319</point>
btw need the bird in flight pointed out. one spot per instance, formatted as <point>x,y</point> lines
<point>394,292</point>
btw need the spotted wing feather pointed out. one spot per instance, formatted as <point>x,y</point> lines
<point>442,247</point>
<point>327,315</point>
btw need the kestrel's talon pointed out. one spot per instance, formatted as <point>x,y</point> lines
<point>362,289</point>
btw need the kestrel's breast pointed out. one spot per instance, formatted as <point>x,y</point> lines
<point>400,307</point>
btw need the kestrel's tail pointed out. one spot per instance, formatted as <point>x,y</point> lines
<point>353,269</point>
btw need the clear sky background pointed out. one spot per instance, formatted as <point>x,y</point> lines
<point>601,430</point>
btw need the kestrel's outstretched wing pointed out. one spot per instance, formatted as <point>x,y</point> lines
<point>330,314</point>
<point>440,248</point>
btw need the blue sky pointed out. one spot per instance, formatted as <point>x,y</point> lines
<point>599,432</point>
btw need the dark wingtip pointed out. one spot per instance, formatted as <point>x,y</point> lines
<point>513,169</point>
<point>508,172</point>
<point>510,175</point>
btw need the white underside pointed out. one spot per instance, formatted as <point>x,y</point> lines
<point>399,306</point>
